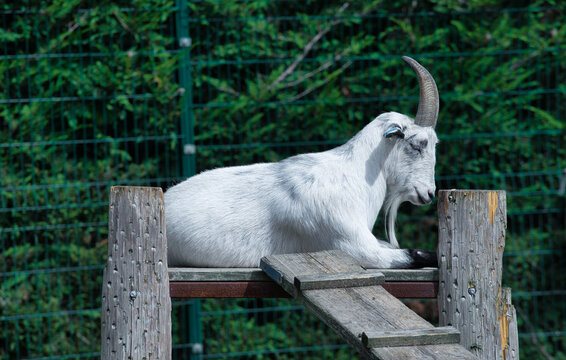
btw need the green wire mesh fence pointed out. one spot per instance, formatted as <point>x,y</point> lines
<point>95,94</point>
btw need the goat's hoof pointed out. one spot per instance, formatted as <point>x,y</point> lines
<point>422,258</point>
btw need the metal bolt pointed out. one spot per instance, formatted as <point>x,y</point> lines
<point>472,291</point>
<point>133,295</point>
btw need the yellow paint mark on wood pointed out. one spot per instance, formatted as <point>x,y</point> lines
<point>492,206</point>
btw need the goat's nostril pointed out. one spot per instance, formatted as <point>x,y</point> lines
<point>431,194</point>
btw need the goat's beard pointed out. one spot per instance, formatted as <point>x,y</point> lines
<point>391,208</point>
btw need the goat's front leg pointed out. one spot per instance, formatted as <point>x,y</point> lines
<point>374,253</point>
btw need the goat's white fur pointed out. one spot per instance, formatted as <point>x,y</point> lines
<point>232,217</point>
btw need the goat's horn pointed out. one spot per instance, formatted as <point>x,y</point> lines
<point>427,113</point>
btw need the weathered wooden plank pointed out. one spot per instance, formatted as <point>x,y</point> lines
<point>351,311</point>
<point>412,289</point>
<point>136,307</point>
<point>304,264</point>
<point>215,283</point>
<point>429,336</point>
<point>413,275</point>
<point>428,352</point>
<point>256,274</point>
<point>373,308</point>
<point>339,280</point>
<point>227,289</point>
<point>472,227</point>
<point>270,289</point>
<point>217,274</point>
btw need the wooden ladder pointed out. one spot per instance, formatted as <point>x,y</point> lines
<point>351,300</point>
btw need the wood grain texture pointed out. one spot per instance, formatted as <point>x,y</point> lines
<point>412,289</point>
<point>270,289</point>
<point>352,311</point>
<point>256,274</point>
<point>136,307</point>
<point>216,283</point>
<point>508,326</point>
<point>471,241</point>
<point>227,289</point>
<point>439,335</point>
<point>217,274</point>
<point>339,280</point>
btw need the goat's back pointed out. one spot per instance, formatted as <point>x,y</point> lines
<point>231,217</point>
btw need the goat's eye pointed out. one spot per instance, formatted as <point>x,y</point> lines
<point>416,147</point>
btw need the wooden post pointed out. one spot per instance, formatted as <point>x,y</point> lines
<point>136,307</point>
<point>470,250</point>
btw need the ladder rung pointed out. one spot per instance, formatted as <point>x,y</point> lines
<point>438,335</point>
<point>339,280</point>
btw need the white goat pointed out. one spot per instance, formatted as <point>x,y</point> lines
<point>231,217</point>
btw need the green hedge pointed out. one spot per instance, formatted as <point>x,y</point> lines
<point>89,99</point>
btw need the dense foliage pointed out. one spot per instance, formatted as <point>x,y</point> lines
<point>91,97</point>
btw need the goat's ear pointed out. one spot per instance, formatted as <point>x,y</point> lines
<point>394,130</point>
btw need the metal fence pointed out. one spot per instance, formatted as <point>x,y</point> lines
<point>99,94</point>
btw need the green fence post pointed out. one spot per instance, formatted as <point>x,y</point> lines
<point>189,150</point>
<point>185,81</point>
<point>195,333</point>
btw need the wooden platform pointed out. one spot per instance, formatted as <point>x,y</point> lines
<point>254,283</point>
<point>361,311</point>
<point>469,272</point>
